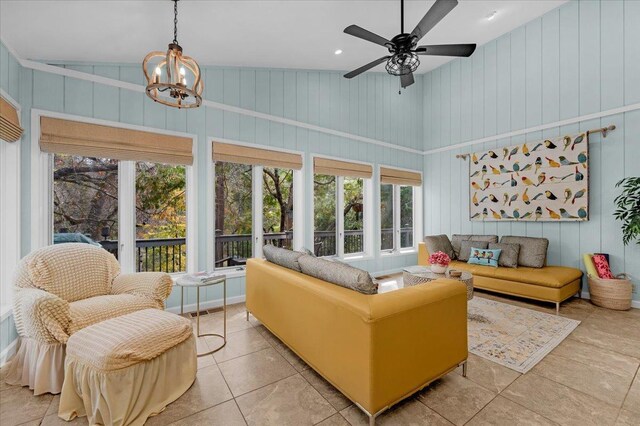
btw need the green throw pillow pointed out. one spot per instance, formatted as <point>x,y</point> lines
<point>485,257</point>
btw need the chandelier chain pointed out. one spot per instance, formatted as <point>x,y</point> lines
<point>175,21</point>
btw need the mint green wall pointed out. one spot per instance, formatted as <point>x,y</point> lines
<point>581,58</point>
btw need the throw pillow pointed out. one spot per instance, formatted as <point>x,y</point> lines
<point>602,266</point>
<point>465,248</point>
<point>338,273</point>
<point>457,239</point>
<point>533,251</point>
<point>307,251</point>
<point>508,255</point>
<point>484,257</point>
<point>282,257</point>
<point>441,243</point>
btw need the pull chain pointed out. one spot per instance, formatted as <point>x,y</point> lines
<point>175,21</point>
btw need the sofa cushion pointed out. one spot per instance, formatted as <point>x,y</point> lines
<point>508,255</point>
<point>467,245</point>
<point>283,257</point>
<point>456,240</point>
<point>90,311</point>
<point>338,273</point>
<point>441,243</point>
<point>533,251</point>
<point>548,276</point>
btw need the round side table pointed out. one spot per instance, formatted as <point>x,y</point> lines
<point>413,275</point>
<point>190,281</point>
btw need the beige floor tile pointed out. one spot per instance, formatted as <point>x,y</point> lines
<point>618,323</point>
<point>208,390</point>
<point>593,355</point>
<point>225,414</point>
<point>588,333</point>
<point>632,402</point>
<point>53,406</point>
<point>326,389</point>
<point>240,343</point>
<point>604,385</point>
<point>578,309</point>
<point>628,418</point>
<point>3,385</point>
<point>293,359</point>
<point>213,323</point>
<point>560,403</point>
<point>20,406</point>
<point>501,412</point>
<point>206,361</point>
<point>54,420</point>
<point>456,398</point>
<point>291,401</point>
<point>335,420</point>
<point>250,372</point>
<point>410,412</point>
<point>487,374</point>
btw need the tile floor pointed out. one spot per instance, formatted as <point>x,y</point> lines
<point>591,378</point>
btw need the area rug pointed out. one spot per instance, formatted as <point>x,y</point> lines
<point>515,337</point>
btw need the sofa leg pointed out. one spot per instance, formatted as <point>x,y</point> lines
<point>372,420</point>
<point>247,315</point>
<point>557,308</point>
<point>464,369</point>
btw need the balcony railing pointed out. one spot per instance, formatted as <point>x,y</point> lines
<point>169,254</point>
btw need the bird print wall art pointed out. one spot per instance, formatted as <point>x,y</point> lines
<point>534,181</point>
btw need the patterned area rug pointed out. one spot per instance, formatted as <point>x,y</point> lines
<point>515,337</point>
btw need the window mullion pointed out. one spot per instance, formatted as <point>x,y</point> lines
<point>256,183</point>
<point>127,216</point>
<point>340,214</point>
<point>396,218</point>
<point>298,210</point>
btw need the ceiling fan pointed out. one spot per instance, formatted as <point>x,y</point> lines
<point>403,48</point>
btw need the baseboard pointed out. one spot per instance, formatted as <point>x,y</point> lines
<point>8,352</point>
<point>209,304</point>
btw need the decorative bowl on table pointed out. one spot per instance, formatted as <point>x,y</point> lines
<point>455,274</point>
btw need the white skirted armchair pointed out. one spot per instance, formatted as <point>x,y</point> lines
<point>62,289</point>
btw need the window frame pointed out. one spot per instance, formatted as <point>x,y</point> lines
<point>417,213</point>
<point>367,211</point>
<point>42,184</point>
<point>257,204</point>
<point>10,213</point>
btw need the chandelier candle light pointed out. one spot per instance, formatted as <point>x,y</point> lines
<point>172,78</point>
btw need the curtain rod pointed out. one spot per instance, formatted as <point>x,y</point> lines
<point>603,130</point>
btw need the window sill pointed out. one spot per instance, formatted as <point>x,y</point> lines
<point>357,258</point>
<point>403,252</point>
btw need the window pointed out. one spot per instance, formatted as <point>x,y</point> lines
<point>339,207</point>
<point>85,200</point>
<point>161,217</point>
<point>9,220</point>
<point>324,215</point>
<point>399,199</point>
<point>233,213</point>
<point>277,206</point>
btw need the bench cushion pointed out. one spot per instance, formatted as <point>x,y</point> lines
<point>548,276</point>
<point>129,339</point>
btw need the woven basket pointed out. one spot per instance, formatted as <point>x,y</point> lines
<point>611,294</point>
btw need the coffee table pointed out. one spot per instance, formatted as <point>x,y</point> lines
<point>413,275</point>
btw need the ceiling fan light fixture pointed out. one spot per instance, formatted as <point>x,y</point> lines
<point>173,79</point>
<point>402,63</point>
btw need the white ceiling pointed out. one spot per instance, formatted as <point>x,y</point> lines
<point>273,34</point>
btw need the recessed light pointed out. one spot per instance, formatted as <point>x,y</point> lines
<point>338,52</point>
<point>491,15</point>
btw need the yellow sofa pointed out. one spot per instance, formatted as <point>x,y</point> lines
<point>549,284</point>
<point>376,349</point>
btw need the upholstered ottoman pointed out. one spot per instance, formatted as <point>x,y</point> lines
<point>123,370</point>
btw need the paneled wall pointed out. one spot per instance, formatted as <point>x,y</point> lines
<point>581,58</point>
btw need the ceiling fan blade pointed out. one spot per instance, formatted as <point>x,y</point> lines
<point>360,32</point>
<point>439,10</point>
<point>464,50</point>
<point>366,67</point>
<point>406,80</point>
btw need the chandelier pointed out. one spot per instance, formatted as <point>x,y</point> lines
<point>173,79</point>
<point>402,63</point>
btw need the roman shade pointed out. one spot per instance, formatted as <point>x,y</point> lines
<point>240,154</point>
<point>400,177</point>
<point>326,166</point>
<point>61,136</point>
<point>10,130</point>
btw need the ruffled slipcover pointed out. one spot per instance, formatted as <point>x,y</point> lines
<point>62,289</point>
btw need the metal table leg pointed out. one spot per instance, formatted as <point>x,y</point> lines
<point>224,313</point>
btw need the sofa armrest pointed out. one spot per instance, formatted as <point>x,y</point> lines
<point>418,333</point>
<point>152,285</point>
<point>423,255</point>
<point>41,315</point>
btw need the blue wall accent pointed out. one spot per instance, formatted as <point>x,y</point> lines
<point>581,58</point>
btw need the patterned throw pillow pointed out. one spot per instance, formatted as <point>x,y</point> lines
<point>484,257</point>
<point>602,266</point>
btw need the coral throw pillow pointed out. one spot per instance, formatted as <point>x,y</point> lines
<point>602,266</point>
